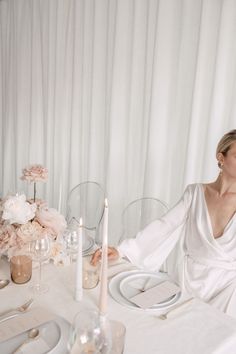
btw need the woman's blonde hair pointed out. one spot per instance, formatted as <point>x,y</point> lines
<point>225,143</point>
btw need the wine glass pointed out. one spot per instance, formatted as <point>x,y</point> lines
<point>89,333</point>
<point>70,237</point>
<point>40,249</point>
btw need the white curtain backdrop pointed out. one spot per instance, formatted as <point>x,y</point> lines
<point>133,94</point>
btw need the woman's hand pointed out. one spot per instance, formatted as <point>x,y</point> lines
<point>112,253</point>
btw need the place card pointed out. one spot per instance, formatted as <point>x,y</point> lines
<point>155,295</point>
<point>23,322</point>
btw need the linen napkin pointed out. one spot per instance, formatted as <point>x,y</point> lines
<point>155,295</point>
<point>24,322</point>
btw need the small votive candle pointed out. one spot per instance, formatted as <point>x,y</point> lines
<point>21,269</point>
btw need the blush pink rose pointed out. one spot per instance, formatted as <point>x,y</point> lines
<point>29,231</point>
<point>51,219</point>
<point>8,237</point>
<point>35,173</point>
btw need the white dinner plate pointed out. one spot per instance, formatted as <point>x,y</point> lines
<point>114,289</point>
<point>133,284</point>
<point>54,333</point>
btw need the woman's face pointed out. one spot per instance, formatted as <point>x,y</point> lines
<point>229,161</point>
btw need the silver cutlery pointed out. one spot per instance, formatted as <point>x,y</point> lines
<point>3,283</point>
<point>143,288</point>
<point>164,315</point>
<point>19,310</point>
<point>32,334</point>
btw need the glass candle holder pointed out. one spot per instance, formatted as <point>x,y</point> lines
<point>90,274</point>
<point>20,268</point>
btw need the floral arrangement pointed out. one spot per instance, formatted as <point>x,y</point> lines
<point>23,220</point>
<point>35,173</point>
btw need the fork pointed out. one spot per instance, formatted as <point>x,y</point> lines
<point>164,315</point>
<point>19,310</point>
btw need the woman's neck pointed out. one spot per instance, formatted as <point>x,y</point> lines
<point>224,185</point>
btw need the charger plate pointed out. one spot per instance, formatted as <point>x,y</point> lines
<point>54,333</point>
<point>121,293</point>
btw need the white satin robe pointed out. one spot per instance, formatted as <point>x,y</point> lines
<point>204,267</point>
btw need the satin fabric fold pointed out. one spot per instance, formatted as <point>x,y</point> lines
<point>183,239</point>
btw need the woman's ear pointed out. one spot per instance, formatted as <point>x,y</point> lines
<point>220,159</point>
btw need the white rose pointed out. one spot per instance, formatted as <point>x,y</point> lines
<point>17,210</point>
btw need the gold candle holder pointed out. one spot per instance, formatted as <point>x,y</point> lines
<point>21,269</point>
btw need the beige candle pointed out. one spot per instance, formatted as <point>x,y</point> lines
<point>21,269</point>
<point>103,286</point>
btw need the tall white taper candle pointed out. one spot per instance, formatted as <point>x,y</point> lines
<point>79,270</point>
<point>103,284</point>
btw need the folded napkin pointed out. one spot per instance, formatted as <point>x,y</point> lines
<point>23,322</point>
<point>155,295</point>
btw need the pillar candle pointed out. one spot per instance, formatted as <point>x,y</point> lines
<point>79,270</point>
<point>103,284</point>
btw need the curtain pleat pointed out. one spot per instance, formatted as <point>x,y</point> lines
<point>132,94</point>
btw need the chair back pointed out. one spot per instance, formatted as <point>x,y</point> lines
<point>86,201</point>
<point>139,213</point>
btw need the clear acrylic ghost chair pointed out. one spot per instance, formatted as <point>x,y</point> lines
<point>139,213</point>
<point>86,201</point>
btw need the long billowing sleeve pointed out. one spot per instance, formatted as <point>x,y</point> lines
<point>151,246</point>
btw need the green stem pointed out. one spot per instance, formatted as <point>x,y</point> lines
<point>34,191</point>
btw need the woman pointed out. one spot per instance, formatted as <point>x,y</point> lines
<point>196,238</point>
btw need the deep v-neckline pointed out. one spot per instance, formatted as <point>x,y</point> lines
<point>209,218</point>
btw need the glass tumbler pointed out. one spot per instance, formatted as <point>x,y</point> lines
<point>90,273</point>
<point>20,268</point>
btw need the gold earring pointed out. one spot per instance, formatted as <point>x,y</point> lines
<point>220,166</point>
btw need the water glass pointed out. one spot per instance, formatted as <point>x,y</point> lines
<point>40,250</point>
<point>70,237</point>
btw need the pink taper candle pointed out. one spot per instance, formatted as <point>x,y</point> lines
<point>103,284</point>
<point>79,270</point>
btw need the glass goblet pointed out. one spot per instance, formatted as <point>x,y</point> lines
<point>70,238</point>
<point>88,334</point>
<point>40,249</point>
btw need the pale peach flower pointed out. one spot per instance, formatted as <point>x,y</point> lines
<point>9,237</point>
<point>35,173</point>
<point>51,219</point>
<point>29,231</point>
<point>56,249</point>
<point>58,255</point>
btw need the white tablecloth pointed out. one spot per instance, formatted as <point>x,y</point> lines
<point>195,328</point>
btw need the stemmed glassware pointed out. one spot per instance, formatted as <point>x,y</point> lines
<point>40,249</point>
<point>70,237</point>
